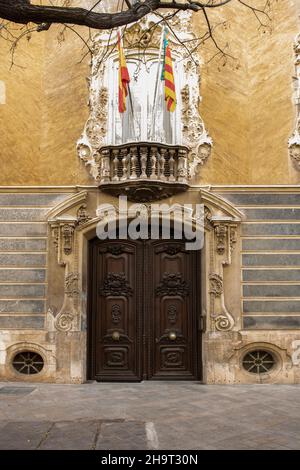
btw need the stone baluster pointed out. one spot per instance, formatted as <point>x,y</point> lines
<point>125,166</point>
<point>105,166</point>
<point>134,163</point>
<point>153,158</point>
<point>182,166</point>
<point>143,162</point>
<point>172,165</point>
<point>116,165</point>
<point>162,162</point>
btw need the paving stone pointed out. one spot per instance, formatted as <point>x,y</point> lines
<point>74,435</point>
<point>23,435</point>
<point>16,391</point>
<point>184,416</point>
<point>130,435</point>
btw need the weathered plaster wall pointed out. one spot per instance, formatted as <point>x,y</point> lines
<point>247,106</point>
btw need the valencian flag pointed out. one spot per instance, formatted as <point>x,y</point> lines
<point>167,74</point>
<point>124,78</point>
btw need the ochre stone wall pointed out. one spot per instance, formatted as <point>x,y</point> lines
<point>246,105</point>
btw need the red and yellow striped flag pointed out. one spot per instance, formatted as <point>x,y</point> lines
<point>124,78</point>
<point>168,76</point>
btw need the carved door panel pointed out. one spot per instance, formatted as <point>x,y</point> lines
<point>174,302</point>
<point>143,311</point>
<point>115,319</point>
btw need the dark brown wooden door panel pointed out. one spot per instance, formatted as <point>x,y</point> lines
<point>114,319</point>
<point>143,303</point>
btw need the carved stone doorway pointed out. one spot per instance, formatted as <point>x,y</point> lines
<point>144,317</point>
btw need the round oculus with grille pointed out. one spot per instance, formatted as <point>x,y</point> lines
<point>28,362</point>
<point>258,361</point>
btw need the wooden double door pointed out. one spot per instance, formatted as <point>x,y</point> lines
<point>144,311</point>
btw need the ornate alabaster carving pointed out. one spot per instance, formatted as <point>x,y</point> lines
<point>71,284</point>
<point>64,321</point>
<point>95,133</point>
<point>221,234</point>
<point>193,130</point>
<point>221,224</point>
<point>67,318</point>
<point>82,215</point>
<point>294,141</point>
<point>220,315</point>
<point>67,233</point>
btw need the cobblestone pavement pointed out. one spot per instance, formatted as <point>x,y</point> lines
<point>149,415</point>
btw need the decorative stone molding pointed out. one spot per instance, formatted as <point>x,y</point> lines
<point>71,284</point>
<point>95,133</point>
<point>64,220</point>
<point>221,220</point>
<point>294,141</point>
<point>221,223</point>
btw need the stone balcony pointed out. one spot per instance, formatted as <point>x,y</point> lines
<point>144,171</point>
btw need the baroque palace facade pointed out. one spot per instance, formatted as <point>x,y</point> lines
<point>75,308</point>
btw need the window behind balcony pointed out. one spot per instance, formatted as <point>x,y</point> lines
<point>145,119</point>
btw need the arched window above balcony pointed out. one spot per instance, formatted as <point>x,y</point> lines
<point>146,120</point>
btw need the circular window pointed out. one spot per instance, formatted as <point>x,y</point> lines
<point>28,362</point>
<point>258,361</point>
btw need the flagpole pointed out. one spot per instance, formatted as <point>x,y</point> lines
<point>157,80</point>
<point>129,91</point>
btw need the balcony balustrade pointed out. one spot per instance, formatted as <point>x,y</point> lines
<point>144,171</point>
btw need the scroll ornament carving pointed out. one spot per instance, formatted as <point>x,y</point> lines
<point>95,133</point>
<point>222,321</point>
<point>64,321</point>
<point>193,129</point>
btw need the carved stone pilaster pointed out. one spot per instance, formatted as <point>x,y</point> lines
<point>67,318</point>
<point>224,240</point>
<point>67,233</point>
<point>221,231</point>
